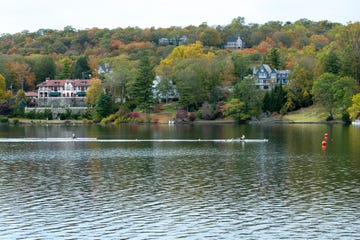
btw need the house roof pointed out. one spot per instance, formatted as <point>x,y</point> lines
<point>233,39</point>
<point>31,94</point>
<point>267,68</point>
<point>58,83</point>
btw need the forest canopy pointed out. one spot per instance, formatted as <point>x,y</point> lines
<point>192,57</point>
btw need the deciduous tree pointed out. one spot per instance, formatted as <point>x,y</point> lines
<point>331,91</point>
<point>354,109</point>
<point>22,74</point>
<point>43,67</point>
<point>235,108</point>
<point>94,91</point>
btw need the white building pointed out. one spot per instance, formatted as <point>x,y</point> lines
<point>63,88</point>
<point>234,43</point>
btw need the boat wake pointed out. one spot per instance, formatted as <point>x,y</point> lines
<point>4,140</point>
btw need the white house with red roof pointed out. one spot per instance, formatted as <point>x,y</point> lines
<point>63,88</point>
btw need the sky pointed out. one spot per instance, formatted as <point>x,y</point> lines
<point>32,15</point>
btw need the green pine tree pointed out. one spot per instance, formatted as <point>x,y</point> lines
<point>103,106</point>
<point>141,90</point>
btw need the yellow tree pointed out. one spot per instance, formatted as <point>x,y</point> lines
<point>93,63</point>
<point>21,72</point>
<point>4,95</point>
<point>354,110</point>
<point>94,91</point>
<point>191,51</point>
<point>184,52</point>
<point>2,86</point>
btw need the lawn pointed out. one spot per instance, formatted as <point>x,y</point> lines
<point>310,114</point>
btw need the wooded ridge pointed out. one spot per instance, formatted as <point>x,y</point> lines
<point>212,78</point>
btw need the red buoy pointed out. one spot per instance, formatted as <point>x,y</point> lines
<point>326,135</point>
<point>324,143</point>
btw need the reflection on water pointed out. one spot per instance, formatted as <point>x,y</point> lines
<point>285,189</point>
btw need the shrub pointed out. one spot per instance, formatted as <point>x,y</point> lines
<point>218,111</point>
<point>207,112</point>
<point>181,114</point>
<point>133,115</point>
<point>75,116</point>
<point>5,109</point>
<point>87,114</point>
<point>346,117</point>
<point>4,120</point>
<point>48,114</point>
<point>31,114</point>
<point>192,117</point>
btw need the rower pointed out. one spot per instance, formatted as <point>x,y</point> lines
<point>242,137</point>
<point>73,136</point>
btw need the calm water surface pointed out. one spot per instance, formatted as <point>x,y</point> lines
<point>288,188</point>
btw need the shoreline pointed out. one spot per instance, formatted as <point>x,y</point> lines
<point>15,121</point>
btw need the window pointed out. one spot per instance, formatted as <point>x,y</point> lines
<point>262,75</point>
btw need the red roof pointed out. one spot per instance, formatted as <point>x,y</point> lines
<point>31,94</point>
<point>55,83</point>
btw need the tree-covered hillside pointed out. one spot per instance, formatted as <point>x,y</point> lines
<point>208,76</point>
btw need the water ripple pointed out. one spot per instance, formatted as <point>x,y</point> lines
<point>167,191</point>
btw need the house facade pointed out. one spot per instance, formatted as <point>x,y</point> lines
<point>234,43</point>
<point>62,93</point>
<point>63,88</point>
<point>173,41</point>
<point>167,92</point>
<point>267,78</point>
<point>104,68</point>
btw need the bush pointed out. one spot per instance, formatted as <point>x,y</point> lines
<point>218,112</point>
<point>330,118</point>
<point>109,119</point>
<point>346,117</point>
<point>75,116</point>
<point>5,109</point>
<point>133,115</point>
<point>48,114</point>
<point>207,112</point>
<point>4,120</point>
<point>192,117</point>
<point>87,114</point>
<point>31,115</point>
<point>181,114</point>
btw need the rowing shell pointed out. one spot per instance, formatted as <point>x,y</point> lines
<point>126,140</point>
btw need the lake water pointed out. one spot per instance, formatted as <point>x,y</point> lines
<point>287,188</point>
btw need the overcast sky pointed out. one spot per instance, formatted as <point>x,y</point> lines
<point>32,15</point>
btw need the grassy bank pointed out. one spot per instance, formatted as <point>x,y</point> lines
<point>308,115</point>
